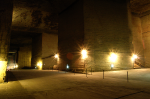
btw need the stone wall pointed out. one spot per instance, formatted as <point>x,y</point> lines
<point>24,56</point>
<point>6,7</point>
<point>36,51</point>
<point>49,49</point>
<point>71,35</point>
<point>103,28</point>
<point>107,31</point>
<point>145,23</point>
<point>136,29</point>
<point>34,15</point>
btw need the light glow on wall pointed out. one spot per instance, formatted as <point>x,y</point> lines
<point>16,66</point>
<point>134,57</point>
<point>39,65</point>
<point>3,66</point>
<point>113,57</point>
<point>56,56</point>
<point>84,54</point>
<point>112,65</point>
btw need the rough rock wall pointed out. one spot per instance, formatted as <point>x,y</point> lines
<point>36,50</point>
<point>34,15</point>
<point>135,23</point>
<point>24,57</point>
<point>49,49</point>
<point>145,22</point>
<point>141,12</point>
<point>71,35</point>
<point>139,6</point>
<point>6,7</point>
<point>107,31</point>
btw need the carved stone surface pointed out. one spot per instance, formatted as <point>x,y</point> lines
<point>5,30</point>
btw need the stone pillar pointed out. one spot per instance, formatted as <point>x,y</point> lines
<point>146,38</point>
<point>6,8</point>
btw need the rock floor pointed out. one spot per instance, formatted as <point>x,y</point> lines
<point>48,84</point>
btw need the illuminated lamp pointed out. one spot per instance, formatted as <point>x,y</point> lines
<point>56,56</point>
<point>67,66</point>
<point>113,57</point>
<point>39,64</point>
<point>84,54</point>
<point>134,57</point>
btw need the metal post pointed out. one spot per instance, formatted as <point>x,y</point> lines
<point>127,76</point>
<point>103,74</point>
<point>91,71</point>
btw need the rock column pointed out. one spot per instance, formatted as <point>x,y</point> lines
<point>6,8</point>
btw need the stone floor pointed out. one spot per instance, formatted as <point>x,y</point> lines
<point>47,84</point>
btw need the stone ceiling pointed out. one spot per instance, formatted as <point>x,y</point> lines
<point>31,17</point>
<point>139,6</point>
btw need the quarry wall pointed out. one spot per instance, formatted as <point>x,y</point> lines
<point>6,8</point>
<point>102,30</point>
<point>71,35</point>
<point>24,56</point>
<point>49,49</point>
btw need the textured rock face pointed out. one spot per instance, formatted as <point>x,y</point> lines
<point>24,57</point>
<point>34,15</point>
<point>49,49</point>
<point>5,29</point>
<point>142,10</point>
<point>44,47</point>
<point>105,30</point>
<point>71,35</point>
<point>139,6</point>
<point>36,50</point>
<point>145,22</point>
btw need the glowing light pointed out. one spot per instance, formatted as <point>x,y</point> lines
<point>56,56</point>
<point>112,65</point>
<point>39,64</point>
<point>134,57</point>
<point>67,66</point>
<point>16,66</point>
<point>113,57</point>
<point>84,54</point>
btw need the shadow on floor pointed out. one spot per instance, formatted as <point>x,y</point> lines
<point>16,75</point>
